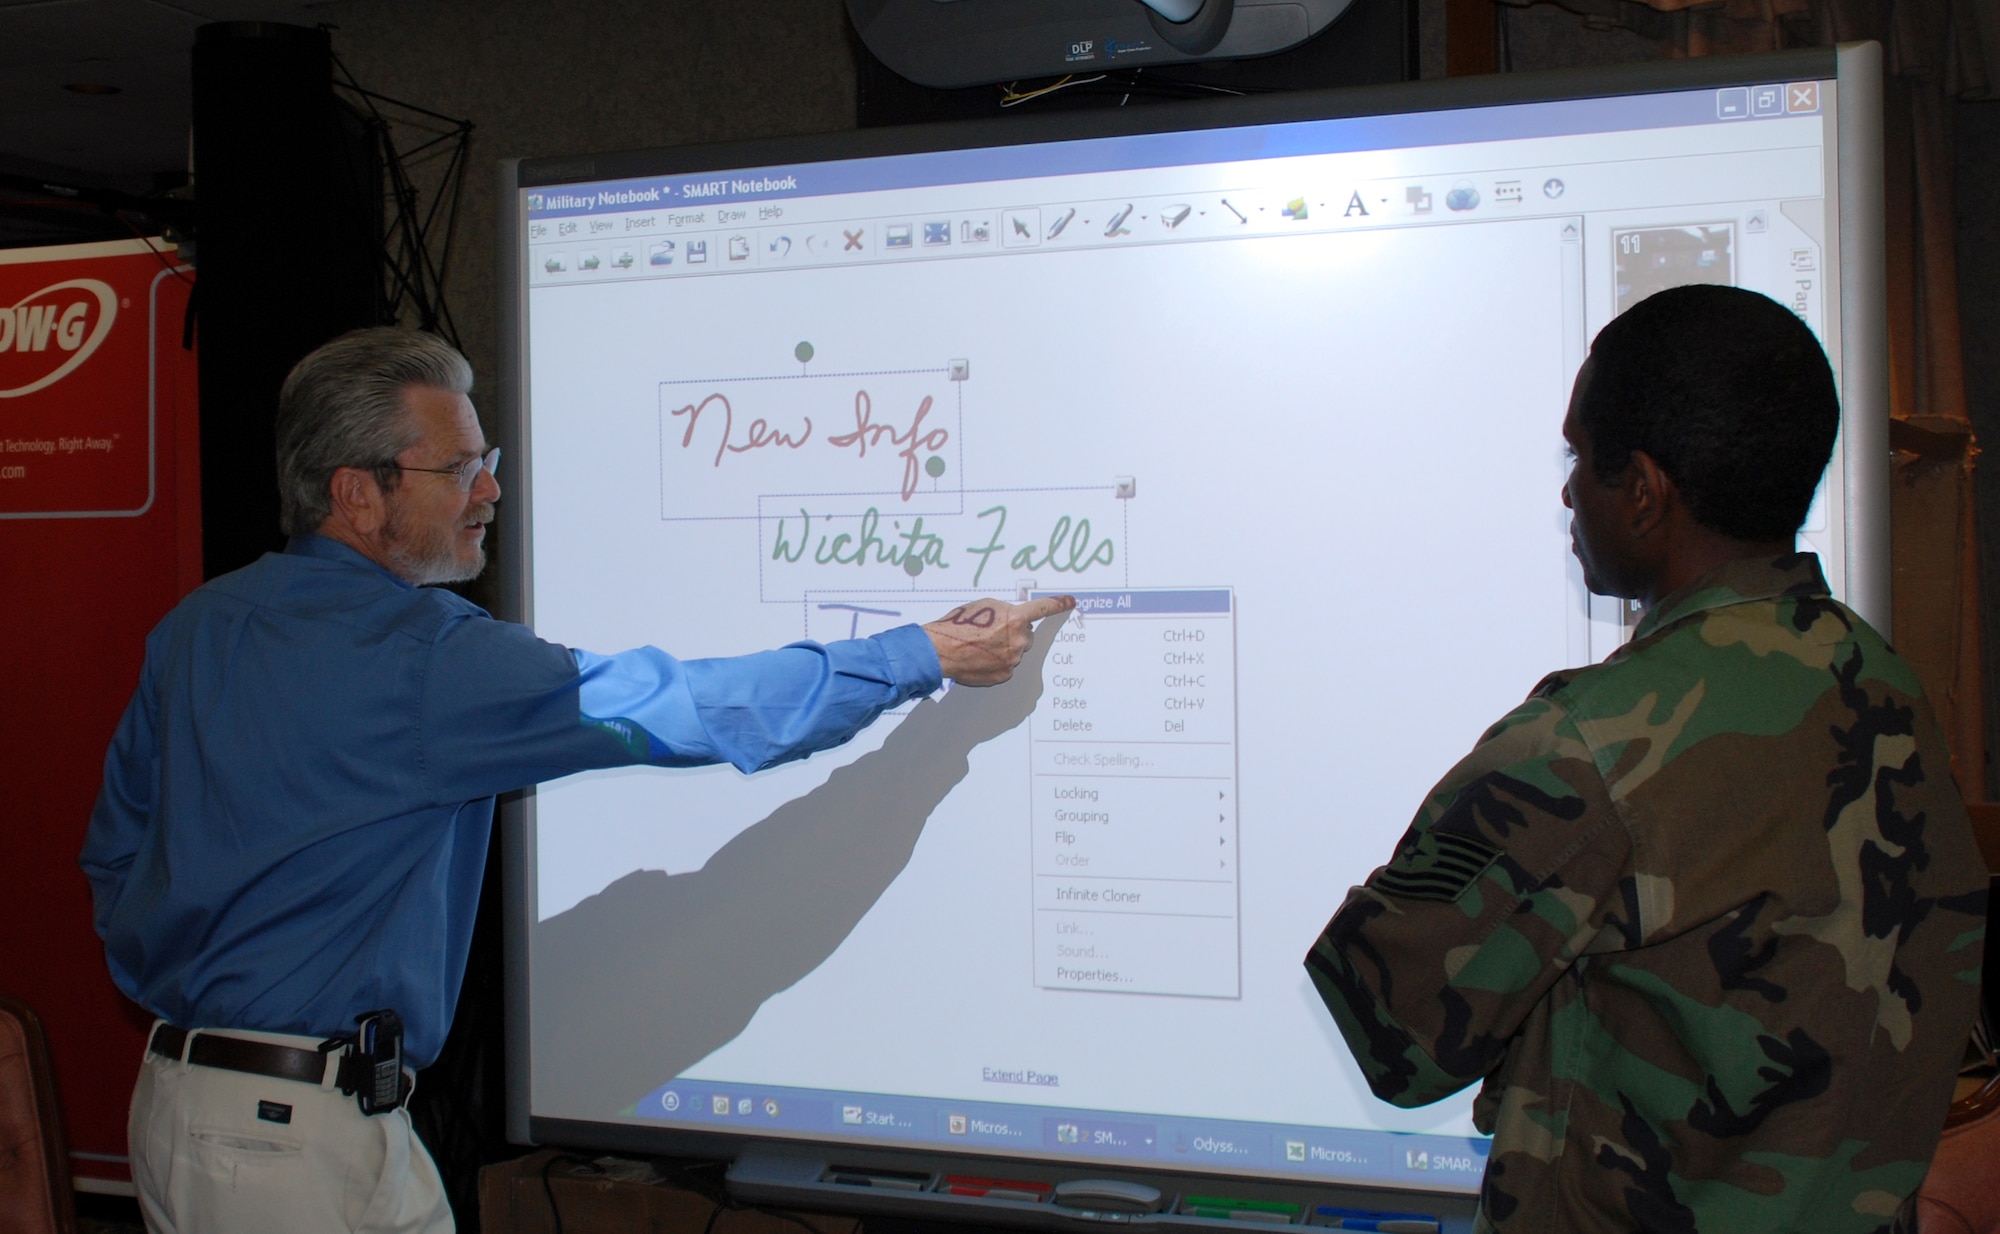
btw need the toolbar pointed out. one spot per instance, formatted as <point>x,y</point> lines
<point>769,236</point>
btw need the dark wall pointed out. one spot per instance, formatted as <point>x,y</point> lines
<point>1549,37</point>
<point>593,75</point>
<point>1978,189</point>
<point>275,282</point>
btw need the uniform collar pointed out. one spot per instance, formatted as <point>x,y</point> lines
<point>1743,581</point>
<point>328,549</point>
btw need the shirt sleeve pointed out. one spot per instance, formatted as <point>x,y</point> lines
<point>123,811</point>
<point>500,716</point>
<point>1508,873</point>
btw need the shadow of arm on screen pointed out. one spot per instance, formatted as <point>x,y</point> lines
<point>639,982</point>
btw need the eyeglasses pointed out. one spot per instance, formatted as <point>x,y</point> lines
<point>466,473</point>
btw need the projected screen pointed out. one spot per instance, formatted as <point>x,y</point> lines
<point>1279,403</point>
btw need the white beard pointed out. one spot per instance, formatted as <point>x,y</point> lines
<point>430,556</point>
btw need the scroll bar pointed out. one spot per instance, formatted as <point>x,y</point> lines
<point>1606,623</point>
<point>1583,637</point>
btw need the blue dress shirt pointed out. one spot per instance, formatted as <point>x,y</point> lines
<point>293,824</point>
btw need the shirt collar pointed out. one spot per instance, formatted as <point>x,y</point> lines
<point>327,548</point>
<point>1743,581</point>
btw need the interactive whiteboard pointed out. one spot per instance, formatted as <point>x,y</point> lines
<point>1277,395</point>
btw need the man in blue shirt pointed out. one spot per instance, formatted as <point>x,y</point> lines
<point>296,805</point>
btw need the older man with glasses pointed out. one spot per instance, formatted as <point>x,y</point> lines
<point>288,847</point>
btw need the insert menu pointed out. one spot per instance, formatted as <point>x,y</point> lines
<point>1134,787</point>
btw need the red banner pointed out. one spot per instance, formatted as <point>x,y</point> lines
<point>100,533</point>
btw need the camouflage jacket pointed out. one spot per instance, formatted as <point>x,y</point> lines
<point>1706,920</point>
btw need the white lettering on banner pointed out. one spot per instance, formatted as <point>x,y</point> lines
<point>36,319</point>
<point>70,333</point>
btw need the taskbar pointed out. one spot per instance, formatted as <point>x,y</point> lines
<point>1368,1156</point>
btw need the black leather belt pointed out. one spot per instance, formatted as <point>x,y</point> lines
<point>281,1062</point>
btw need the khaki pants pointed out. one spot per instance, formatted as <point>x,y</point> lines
<point>224,1152</point>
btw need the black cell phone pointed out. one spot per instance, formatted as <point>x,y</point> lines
<point>378,1044</point>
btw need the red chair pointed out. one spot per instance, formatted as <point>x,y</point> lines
<point>35,1193</point>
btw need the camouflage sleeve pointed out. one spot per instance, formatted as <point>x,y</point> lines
<point>1499,884</point>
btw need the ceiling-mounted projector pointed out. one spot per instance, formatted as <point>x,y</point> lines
<point>951,43</point>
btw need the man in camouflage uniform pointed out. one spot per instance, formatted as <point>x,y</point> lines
<point>1705,920</point>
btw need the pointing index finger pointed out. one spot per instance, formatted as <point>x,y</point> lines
<point>1047,606</point>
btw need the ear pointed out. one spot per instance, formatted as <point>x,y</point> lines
<point>1650,494</point>
<point>358,500</point>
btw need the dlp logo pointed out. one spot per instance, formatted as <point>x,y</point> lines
<point>46,334</point>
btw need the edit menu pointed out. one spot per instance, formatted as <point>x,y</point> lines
<point>1133,773</point>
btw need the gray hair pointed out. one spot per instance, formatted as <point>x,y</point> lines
<point>342,406</point>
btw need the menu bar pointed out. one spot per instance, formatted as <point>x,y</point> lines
<point>706,240</point>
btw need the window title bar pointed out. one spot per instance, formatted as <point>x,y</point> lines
<point>1571,117</point>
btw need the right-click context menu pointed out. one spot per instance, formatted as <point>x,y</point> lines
<point>1134,790</point>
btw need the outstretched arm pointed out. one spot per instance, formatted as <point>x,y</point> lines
<point>638,983</point>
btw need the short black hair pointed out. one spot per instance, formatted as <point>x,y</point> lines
<point>1729,392</point>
